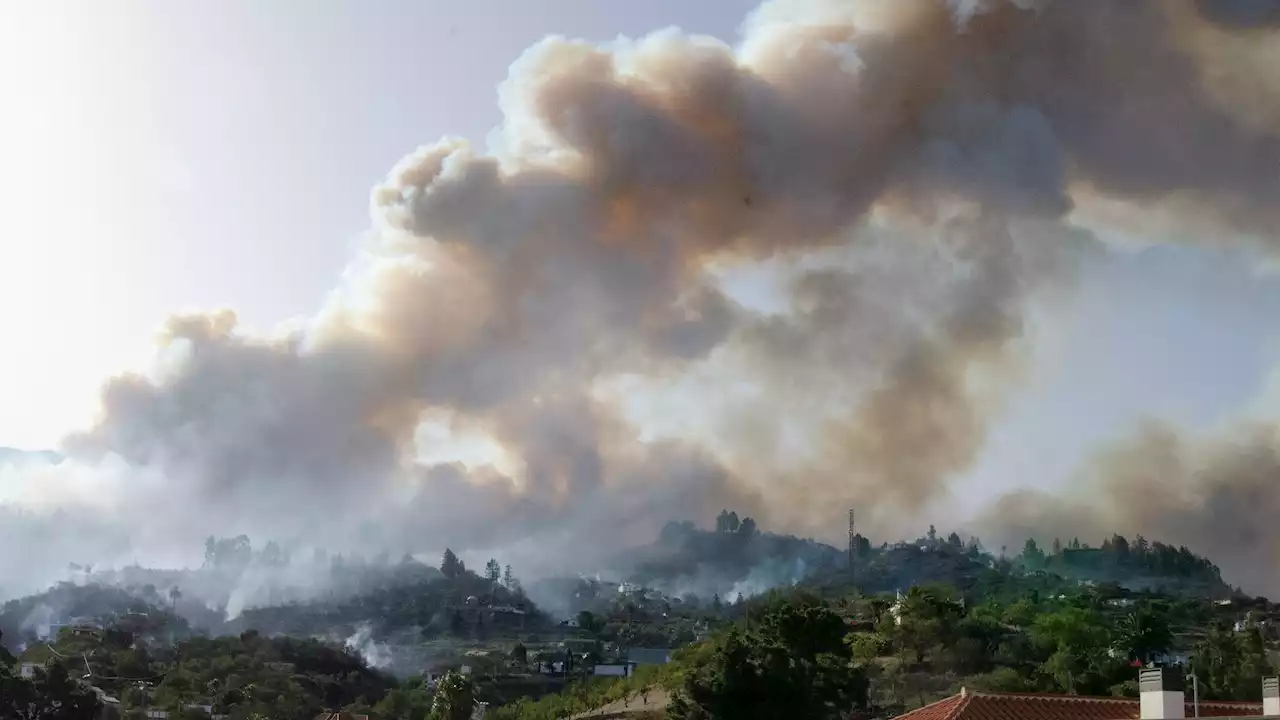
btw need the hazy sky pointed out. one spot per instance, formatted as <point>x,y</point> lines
<point>161,156</point>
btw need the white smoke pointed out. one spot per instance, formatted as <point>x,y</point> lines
<point>361,642</point>
<point>912,166</point>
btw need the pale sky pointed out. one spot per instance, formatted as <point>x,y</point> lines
<point>161,156</point>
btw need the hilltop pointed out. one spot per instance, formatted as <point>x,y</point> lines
<point>737,558</point>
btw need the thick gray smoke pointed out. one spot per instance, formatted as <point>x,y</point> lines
<point>911,167</point>
<point>1216,495</point>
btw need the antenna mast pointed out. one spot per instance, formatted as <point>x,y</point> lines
<point>853,541</point>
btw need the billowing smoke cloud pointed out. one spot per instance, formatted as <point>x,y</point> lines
<point>911,166</point>
<point>1216,495</point>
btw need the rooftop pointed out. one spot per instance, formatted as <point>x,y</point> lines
<point>1010,706</point>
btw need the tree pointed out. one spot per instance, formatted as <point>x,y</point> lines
<point>1120,547</point>
<point>6,660</point>
<point>1229,663</point>
<point>174,596</point>
<point>1143,633</point>
<point>410,701</point>
<point>492,570</point>
<point>520,654</point>
<point>508,580</point>
<point>450,566</point>
<point>933,535</point>
<point>1077,640</point>
<point>954,541</point>
<point>861,546</point>
<point>748,527</point>
<point>1057,546</point>
<point>1032,555</point>
<point>973,548</point>
<point>51,695</point>
<point>923,620</point>
<point>795,666</point>
<point>455,698</point>
<point>272,555</point>
<point>1140,547</point>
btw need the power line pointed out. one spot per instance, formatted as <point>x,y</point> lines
<point>89,670</point>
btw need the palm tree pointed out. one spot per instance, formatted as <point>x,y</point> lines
<point>1143,633</point>
<point>174,595</point>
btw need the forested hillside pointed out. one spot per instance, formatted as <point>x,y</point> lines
<point>893,627</point>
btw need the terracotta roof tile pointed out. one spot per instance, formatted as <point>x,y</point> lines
<point>1009,706</point>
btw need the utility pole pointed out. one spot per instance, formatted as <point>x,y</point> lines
<point>853,545</point>
<point>1195,695</point>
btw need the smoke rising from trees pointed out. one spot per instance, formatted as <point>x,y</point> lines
<point>915,168</point>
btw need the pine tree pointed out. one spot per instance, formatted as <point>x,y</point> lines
<point>450,565</point>
<point>492,570</point>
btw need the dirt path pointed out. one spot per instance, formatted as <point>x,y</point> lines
<point>658,700</point>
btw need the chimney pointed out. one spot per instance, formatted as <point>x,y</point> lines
<point>1271,697</point>
<point>1161,694</point>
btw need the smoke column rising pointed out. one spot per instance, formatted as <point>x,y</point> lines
<point>915,165</point>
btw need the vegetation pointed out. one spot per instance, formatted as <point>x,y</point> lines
<point>50,694</point>
<point>588,694</point>
<point>795,664</point>
<point>1072,619</point>
<point>1135,564</point>
<point>800,656</point>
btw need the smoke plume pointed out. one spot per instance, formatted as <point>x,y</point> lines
<point>911,169</point>
<point>1216,495</point>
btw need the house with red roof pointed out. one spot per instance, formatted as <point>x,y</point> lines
<point>1161,697</point>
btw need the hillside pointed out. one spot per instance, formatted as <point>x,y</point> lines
<point>1135,565</point>
<point>735,558</point>
<point>984,619</point>
<point>25,621</point>
<point>433,608</point>
<point>285,677</point>
<point>738,558</point>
